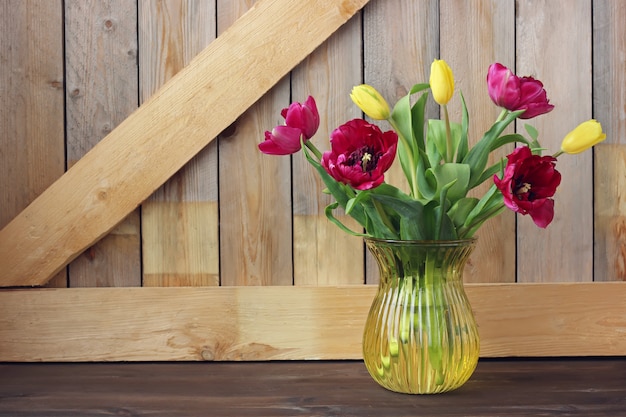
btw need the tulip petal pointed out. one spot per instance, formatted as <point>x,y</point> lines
<point>543,214</point>
<point>282,140</point>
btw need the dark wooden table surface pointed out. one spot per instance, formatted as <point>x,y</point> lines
<point>511,387</point>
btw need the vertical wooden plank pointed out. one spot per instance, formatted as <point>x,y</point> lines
<point>324,254</point>
<point>474,35</point>
<point>101,66</point>
<point>31,104</point>
<point>550,49</point>
<point>401,40</point>
<point>255,189</point>
<point>180,220</point>
<point>609,108</point>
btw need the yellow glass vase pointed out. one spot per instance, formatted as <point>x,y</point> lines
<point>420,334</point>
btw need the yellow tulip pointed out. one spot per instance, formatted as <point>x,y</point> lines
<point>441,81</point>
<point>370,101</point>
<point>583,137</point>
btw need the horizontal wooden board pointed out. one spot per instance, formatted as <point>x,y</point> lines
<point>281,322</point>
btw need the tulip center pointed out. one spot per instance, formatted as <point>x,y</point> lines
<point>522,188</point>
<point>366,157</point>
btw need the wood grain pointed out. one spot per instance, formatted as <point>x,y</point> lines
<point>512,387</point>
<point>324,254</point>
<point>180,220</point>
<point>101,91</point>
<point>548,49</point>
<point>145,150</point>
<point>473,36</point>
<point>255,201</point>
<point>32,154</point>
<point>610,213</point>
<point>290,322</point>
<point>609,104</point>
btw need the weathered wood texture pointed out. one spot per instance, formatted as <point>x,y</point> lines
<point>555,387</point>
<point>255,201</point>
<point>146,149</point>
<point>568,77</point>
<point>272,229</point>
<point>290,322</point>
<point>609,81</point>
<point>179,222</point>
<point>31,105</point>
<point>100,92</point>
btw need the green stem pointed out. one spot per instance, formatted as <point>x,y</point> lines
<point>557,154</point>
<point>502,115</point>
<point>313,149</point>
<point>449,154</point>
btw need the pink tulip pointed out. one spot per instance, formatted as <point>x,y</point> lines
<point>517,93</point>
<point>303,116</point>
<point>282,140</point>
<point>301,122</point>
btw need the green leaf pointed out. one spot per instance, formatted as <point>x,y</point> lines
<point>426,181</point>
<point>401,120</point>
<point>478,221</point>
<point>378,226</point>
<point>419,87</point>
<point>329,215</point>
<point>506,139</point>
<point>532,131</point>
<point>491,171</point>
<point>356,200</point>
<point>436,142</point>
<point>454,178</point>
<point>444,227</point>
<point>463,146</point>
<point>419,119</point>
<point>460,210</point>
<point>534,145</point>
<point>489,206</point>
<point>409,214</point>
<point>478,156</point>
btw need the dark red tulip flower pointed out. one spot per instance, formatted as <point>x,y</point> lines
<point>528,184</point>
<point>360,154</point>
<point>517,93</point>
<point>301,121</point>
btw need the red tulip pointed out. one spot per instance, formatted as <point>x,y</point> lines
<point>360,154</point>
<point>301,121</point>
<point>517,93</point>
<point>528,184</point>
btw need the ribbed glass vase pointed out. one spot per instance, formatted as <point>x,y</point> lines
<point>420,334</point>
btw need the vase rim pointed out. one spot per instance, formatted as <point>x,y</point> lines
<point>451,242</point>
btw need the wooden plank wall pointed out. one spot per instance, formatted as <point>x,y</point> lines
<point>71,70</point>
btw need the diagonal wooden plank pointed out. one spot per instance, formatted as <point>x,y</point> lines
<point>162,135</point>
<point>292,322</point>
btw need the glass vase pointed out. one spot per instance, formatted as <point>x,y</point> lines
<point>420,334</point>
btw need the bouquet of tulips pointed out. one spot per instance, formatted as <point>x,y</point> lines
<point>439,165</point>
